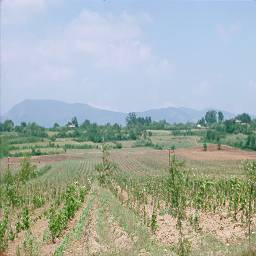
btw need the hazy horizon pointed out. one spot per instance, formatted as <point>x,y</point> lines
<point>126,112</point>
<point>130,56</point>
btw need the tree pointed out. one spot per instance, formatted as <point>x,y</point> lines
<point>86,124</point>
<point>74,121</point>
<point>131,119</point>
<point>211,117</point>
<point>202,122</point>
<point>8,126</point>
<point>205,146</point>
<point>220,117</point>
<point>56,126</point>
<point>244,118</point>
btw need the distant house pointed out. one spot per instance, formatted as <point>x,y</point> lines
<point>199,126</point>
<point>71,126</point>
<point>237,121</point>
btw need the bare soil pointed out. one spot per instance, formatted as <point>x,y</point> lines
<point>212,153</point>
<point>89,243</point>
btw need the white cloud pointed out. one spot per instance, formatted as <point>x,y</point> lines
<point>112,42</point>
<point>19,11</point>
<point>102,42</point>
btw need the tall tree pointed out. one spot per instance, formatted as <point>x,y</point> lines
<point>211,117</point>
<point>220,117</point>
<point>244,118</point>
<point>74,121</point>
<point>8,126</point>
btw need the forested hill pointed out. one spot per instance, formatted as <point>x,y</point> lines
<point>47,112</point>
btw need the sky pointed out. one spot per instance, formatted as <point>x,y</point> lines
<point>130,55</point>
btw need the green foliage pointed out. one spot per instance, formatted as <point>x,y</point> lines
<point>250,168</point>
<point>58,219</point>
<point>153,224</point>
<point>220,117</point>
<point>118,145</point>
<point>211,117</point>
<point>43,170</point>
<point>205,146</point>
<point>106,168</point>
<point>11,235</point>
<point>4,147</point>
<point>57,223</point>
<point>251,142</point>
<point>28,170</point>
<point>31,130</point>
<point>25,219</point>
<point>3,230</point>
<point>244,118</point>
<point>78,146</point>
<point>143,142</point>
<point>38,200</point>
<point>8,126</point>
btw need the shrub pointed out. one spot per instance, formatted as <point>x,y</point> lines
<point>27,171</point>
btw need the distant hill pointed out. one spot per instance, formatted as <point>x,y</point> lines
<point>47,112</point>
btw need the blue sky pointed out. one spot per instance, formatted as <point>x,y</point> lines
<point>130,55</point>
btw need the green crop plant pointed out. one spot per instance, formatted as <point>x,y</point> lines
<point>153,224</point>
<point>27,171</point>
<point>72,202</point>
<point>25,219</point>
<point>205,146</point>
<point>250,168</point>
<point>3,230</point>
<point>57,223</point>
<point>106,168</point>
<point>73,197</point>
<point>38,200</point>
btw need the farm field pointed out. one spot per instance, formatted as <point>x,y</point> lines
<point>128,201</point>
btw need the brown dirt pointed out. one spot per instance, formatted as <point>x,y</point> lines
<point>168,234</point>
<point>226,153</point>
<point>17,242</point>
<point>37,230</point>
<point>121,239</point>
<point>220,225</point>
<point>89,243</point>
<point>224,227</point>
<point>36,220</point>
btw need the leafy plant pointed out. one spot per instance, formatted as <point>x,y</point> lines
<point>25,219</point>
<point>3,230</point>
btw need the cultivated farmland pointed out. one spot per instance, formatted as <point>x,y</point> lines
<point>101,200</point>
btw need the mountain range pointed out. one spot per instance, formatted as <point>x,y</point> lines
<point>47,112</point>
